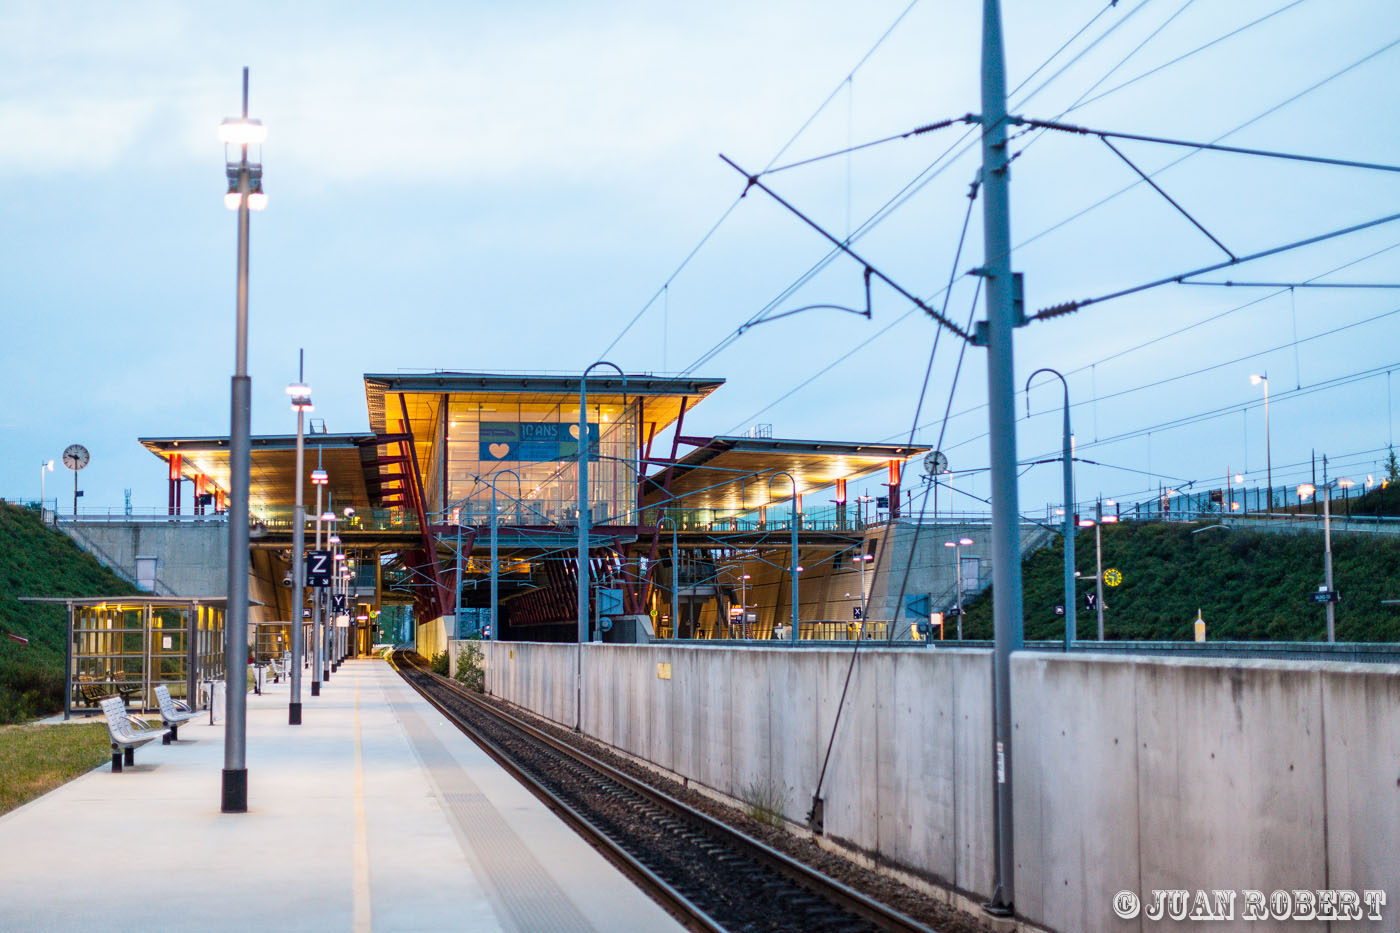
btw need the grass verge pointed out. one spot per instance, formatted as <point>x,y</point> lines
<point>36,759</point>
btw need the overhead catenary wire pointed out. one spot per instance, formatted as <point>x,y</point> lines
<point>934,169</point>
<point>735,203</point>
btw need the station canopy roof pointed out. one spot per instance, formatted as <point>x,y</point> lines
<point>662,396</point>
<point>732,473</point>
<point>348,459</point>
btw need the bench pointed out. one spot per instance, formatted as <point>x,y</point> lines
<point>127,733</point>
<point>279,670</point>
<point>93,693</point>
<point>173,714</point>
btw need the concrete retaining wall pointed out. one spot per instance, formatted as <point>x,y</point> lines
<point>1130,773</point>
<point>192,557</point>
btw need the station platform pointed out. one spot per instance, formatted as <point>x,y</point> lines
<point>374,814</point>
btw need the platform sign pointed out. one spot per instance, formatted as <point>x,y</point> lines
<point>1326,596</point>
<point>338,603</point>
<point>1091,600</point>
<point>318,568</point>
<point>1059,610</point>
<point>857,613</point>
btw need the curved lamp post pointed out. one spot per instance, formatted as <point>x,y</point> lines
<point>1067,454</point>
<point>495,559</point>
<point>583,510</point>
<point>244,194</point>
<point>793,569</point>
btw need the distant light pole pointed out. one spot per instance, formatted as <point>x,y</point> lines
<point>323,647</point>
<point>676,574</point>
<point>1098,522</point>
<point>794,569</point>
<point>957,547</point>
<point>342,633</point>
<point>1256,379</point>
<point>301,404</point>
<point>1067,454</point>
<point>244,194</point>
<point>45,467</point>
<point>1304,491</point>
<point>864,597</point>
<point>319,479</point>
<point>495,555</point>
<point>743,603</point>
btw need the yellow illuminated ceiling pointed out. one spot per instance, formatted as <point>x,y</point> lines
<point>272,473</point>
<point>732,473</point>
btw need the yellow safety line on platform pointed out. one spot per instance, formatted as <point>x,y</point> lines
<point>361,860</point>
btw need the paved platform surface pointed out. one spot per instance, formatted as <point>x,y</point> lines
<point>375,814</point>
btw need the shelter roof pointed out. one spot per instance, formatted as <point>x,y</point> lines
<point>733,472</point>
<point>348,459</point>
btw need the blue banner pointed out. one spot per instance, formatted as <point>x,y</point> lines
<point>533,441</point>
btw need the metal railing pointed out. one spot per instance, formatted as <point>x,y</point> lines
<point>1344,652</point>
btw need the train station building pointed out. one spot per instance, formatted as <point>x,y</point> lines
<point>691,536</point>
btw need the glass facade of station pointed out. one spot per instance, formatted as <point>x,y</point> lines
<point>132,646</point>
<point>539,441</point>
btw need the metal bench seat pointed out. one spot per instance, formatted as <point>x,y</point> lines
<point>127,733</point>
<point>172,713</point>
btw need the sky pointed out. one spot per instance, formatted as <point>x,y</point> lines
<point>485,186</point>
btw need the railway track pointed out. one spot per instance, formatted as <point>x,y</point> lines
<point>708,875</point>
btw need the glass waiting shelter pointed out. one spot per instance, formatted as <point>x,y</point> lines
<point>129,645</point>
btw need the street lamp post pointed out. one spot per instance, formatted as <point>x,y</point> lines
<point>957,547</point>
<point>244,194</point>
<point>864,595</point>
<point>319,479</point>
<point>301,404</point>
<point>1305,490</point>
<point>743,604</point>
<point>45,467</point>
<point>676,575</point>
<point>1097,523</point>
<point>1067,455</point>
<point>583,520</point>
<point>793,570</point>
<point>1256,379</point>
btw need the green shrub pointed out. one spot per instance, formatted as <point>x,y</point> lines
<point>471,669</point>
<point>438,664</point>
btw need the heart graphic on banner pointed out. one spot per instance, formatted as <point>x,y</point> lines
<point>573,431</point>
<point>499,450</point>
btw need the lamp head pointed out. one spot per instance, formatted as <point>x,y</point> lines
<point>1305,490</point>
<point>964,541</point>
<point>349,511</point>
<point>1255,379</point>
<point>242,131</point>
<point>1086,523</point>
<point>49,466</point>
<point>327,516</point>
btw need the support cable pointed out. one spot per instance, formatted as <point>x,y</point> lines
<point>1169,199</point>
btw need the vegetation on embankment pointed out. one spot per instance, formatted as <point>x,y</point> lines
<point>1249,585</point>
<point>36,759</point>
<point>38,561</point>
